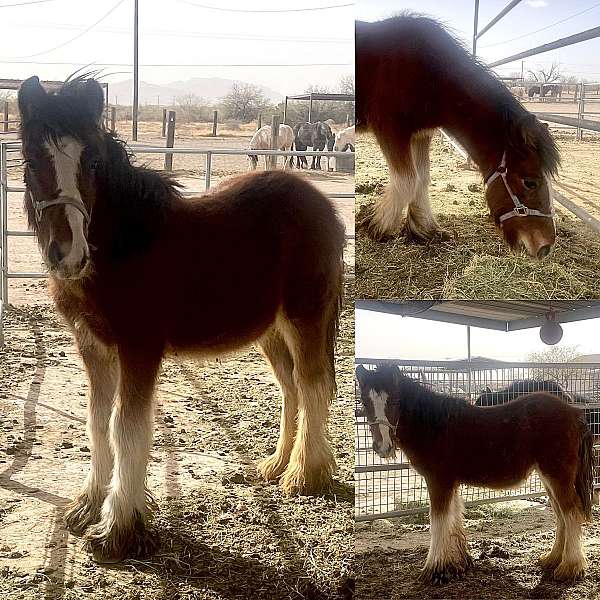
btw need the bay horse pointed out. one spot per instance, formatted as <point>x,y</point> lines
<point>139,272</point>
<point>413,77</point>
<point>451,442</point>
<point>317,136</point>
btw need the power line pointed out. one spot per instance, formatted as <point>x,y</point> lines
<point>198,34</point>
<point>81,34</point>
<point>244,10</point>
<point>25,3</point>
<point>95,64</point>
<point>520,37</point>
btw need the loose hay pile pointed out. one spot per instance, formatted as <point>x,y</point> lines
<point>476,263</point>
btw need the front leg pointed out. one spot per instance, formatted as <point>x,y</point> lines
<point>103,372</point>
<point>127,508</point>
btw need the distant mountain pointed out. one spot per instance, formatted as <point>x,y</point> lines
<point>209,88</point>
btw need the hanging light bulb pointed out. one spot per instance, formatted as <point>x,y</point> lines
<point>551,332</point>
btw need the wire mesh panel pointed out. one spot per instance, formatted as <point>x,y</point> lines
<point>386,488</point>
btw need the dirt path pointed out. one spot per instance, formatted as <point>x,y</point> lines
<point>505,541</point>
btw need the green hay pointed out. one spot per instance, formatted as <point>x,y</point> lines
<point>476,263</point>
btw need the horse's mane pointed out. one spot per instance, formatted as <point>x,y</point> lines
<point>452,59</point>
<point>421,406</point>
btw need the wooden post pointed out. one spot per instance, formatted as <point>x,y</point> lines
<point>163,132</point>
<point>5,116</point>
<point>285,110</point>
<point>113,118</point>
<point>214,131</point>
<point>259,122</point>
<point>170,139</point>
<point>310,104</point>
<point>274,140</point>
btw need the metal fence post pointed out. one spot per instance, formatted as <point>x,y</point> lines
<point>3,225</point>
<point>214,129</point>
<point>580,110</point>
<point>275,121</point>
<point>208,170</point>
<point>5,116</point>
<point>170,139</point>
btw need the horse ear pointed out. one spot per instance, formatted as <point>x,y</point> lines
<point>488,390</point>
<point>31,93</point>
<point>361,374</point>
<point>526,131</point>
<point>90,96</point>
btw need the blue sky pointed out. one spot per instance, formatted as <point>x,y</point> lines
<point>380,335</point>
<point>179,32</point>
<point>581,60</point>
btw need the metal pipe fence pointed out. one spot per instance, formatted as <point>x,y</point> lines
<point>8,150</point>
<point>393,488</point>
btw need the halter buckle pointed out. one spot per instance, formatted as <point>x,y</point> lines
<point>521,211</point>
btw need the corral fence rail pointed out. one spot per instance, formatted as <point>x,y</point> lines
<point>10,156</point>
<point>387,489</point>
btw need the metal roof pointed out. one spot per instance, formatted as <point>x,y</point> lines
<point>336,97</point>
<point>501,315</point>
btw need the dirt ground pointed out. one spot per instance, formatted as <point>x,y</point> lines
<point>505,541</point>
<point>223,532</point>
<point>477,263</point>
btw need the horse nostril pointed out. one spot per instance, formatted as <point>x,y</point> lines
<point>544,251</point>
<point>54,254</point>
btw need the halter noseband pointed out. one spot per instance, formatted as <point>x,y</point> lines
<point>62,199</point>
<point>381,422</point>
<point>520,210</point>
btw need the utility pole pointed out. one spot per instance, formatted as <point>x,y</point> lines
<point>475,26</point>
<point>134,132</point>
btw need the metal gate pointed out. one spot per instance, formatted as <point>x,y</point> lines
<point>392,489</point>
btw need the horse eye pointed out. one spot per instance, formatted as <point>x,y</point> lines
<point>530,184</point>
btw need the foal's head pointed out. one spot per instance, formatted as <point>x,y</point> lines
<point>519,188</point>
<point>62,148</point>
<point>377,388</point>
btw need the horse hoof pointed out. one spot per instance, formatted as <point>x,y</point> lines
<point>81,514</point>
<point>307,482</point>
<point>365,221</point>
<point>568,572</point>
<point>110,545</point>
<point>272,468</point>
<point>548,560</point>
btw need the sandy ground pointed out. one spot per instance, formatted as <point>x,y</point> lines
<point>477,263</point>
<point>505,541</point>
<point>223,532</point>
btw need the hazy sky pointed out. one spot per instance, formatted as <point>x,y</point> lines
<point>581,60</point>
<point>179,32</point>
<point>380,335</point>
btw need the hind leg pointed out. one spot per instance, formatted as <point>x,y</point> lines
<point>448,555</point>
<point>550,560</point>
<point>312,464</point>
<point>103,372</point>
<point>573,562</point>
<point>275,349</point>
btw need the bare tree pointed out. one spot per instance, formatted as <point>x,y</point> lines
<point>555,354</point>
<point>346,84</point>
<point>549,75</point>
<point>191,108</point>
<point>244,102</point>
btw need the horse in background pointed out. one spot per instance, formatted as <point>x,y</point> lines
<point>489,446</point>
<point>317,136</point>
<point>518,388</point>
<point>515,153</point>
<point>261,140</point>
<point>345,140</point>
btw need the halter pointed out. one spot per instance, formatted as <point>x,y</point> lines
<point>520,210</point>
<point>381,422</point>
<point>62,199</point>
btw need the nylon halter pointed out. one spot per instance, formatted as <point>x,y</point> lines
<point>62,199</point>
<point>520,210</point>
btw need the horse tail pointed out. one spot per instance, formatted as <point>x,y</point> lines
<point>584,479</point>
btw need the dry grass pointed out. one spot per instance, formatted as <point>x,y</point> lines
<point>476,263</point>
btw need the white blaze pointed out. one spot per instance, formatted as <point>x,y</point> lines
<point>379,401</point>
<point>66,156</point>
